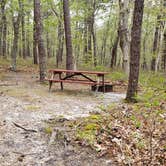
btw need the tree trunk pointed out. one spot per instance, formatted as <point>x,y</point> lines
<point>85,51</point>
<point>40,41</point>
<point>23,29</point>
<point>94,48</point>
<point>123,33</point>
<point>135,50</point>
<point>164,52</point>
<point>104,43</point>
<point>28,51</point>
<point>4,32</point>
<point>155,43</point>
<point>48,45</point>
<point>114,52</point>
<point>35,45</point>
<point>69,51</point>
<point>59,52</point>
<point>16,23</point>
<point>3,27</point>
<point>94,34</point>
<point>144,64</point>
<point>158,58</point>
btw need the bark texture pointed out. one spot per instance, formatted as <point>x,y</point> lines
<point>23,29</point>
<point>156,43</point>
<point>40,41</point>
<point>164,52</point>
<point>16,22</point>
<point>114,52</point>
<point>68,38</point>
<point>124,33</point>
<point>3,28</point>
<point>135,50</point>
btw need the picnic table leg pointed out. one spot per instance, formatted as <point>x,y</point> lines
<point>61,82</point>
<point>97,85</point>
<point>50,84</point>
<point>103,83</point>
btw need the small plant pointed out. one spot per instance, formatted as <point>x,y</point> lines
<point>48,130</point>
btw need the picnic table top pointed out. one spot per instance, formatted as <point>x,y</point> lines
<point>78,71</point>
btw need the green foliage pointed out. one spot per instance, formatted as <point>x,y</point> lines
<point>118,75</point>
<point>88,128</point>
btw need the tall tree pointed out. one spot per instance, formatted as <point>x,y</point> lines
<point>16,22</point>
<point>23,29</point>
<point>35,43</point>
<point>4,28</point>
<point>135,50</point>
<point>69,56</point>
<point>156,42</point>
<point>60,31</point>
<point>164,52</point>
<point>124,33</point>
<point>40,41</point>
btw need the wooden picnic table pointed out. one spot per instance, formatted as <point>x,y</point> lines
<point>71,76</point>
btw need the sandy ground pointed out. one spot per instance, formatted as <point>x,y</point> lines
<point>26,102</point>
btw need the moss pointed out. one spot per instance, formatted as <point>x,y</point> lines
<point>91,126</point>
<point>16,92</point>
<point>94,117</point>
<point>88,128</point>
<point>32,108</point>
<point>86,135</point>
<point>48,130</point>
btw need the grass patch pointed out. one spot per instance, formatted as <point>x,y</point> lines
<point>48,130</point>
<point>14,92</point>
<point>32,108</point>
<point>2,76</point>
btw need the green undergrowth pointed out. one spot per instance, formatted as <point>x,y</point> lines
<point>2,75</point>
<point>126,130</point>
<point>129,129</point>
<point>153,88</point>
<point>4,62</point>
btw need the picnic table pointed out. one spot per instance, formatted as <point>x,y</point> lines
<point>77,76</point>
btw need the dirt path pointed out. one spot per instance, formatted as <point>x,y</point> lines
<point>29,104</point>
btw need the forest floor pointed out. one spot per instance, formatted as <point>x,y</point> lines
<point>26,111</point>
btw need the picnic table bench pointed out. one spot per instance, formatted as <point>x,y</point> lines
<point>80,77</point>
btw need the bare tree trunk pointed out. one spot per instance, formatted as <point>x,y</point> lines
<point>4,32</point>
<point>155,42</point>
<point>3,27</point>
<point>28,51</point>
<point>144,65</point>
<point>59,52</point>
<point>162,27</point>
<point>40,41</point>
<point>16,23</point>
<point>69,51</point>
<point>48,45</point>
<point>94,48</point>
<point>157,66</point>
<point>114,52</point>
<point>94,34</point>
<point>35,43</point>
<point>135,50</point>
<point>164,52</point>
<point>23,29</point>
<point>89,33</point>
<point>85,37</point>
<point>123,33</point>
<point>104,43</point>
